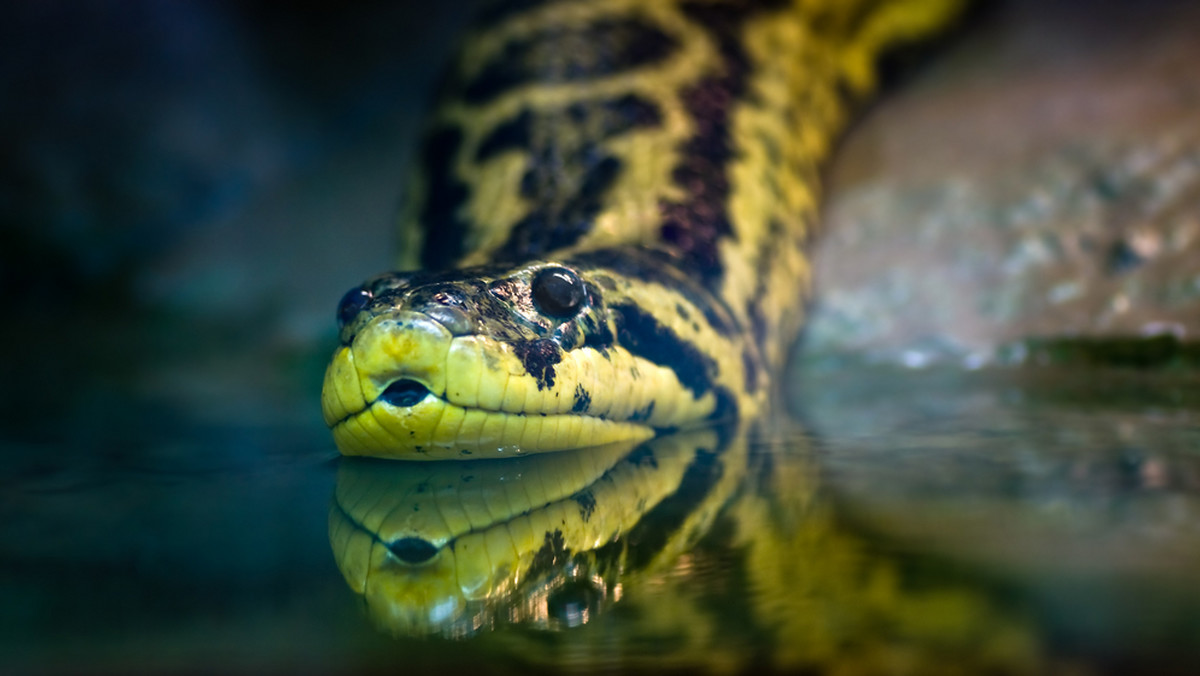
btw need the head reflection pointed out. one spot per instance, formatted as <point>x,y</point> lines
<point>720,545</point>
<point>452,548</point>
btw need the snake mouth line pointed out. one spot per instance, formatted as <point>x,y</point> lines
<point>399,400</point>
<point>430,427</point>
<point>407,393</point>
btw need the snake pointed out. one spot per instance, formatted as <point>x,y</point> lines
<point>606,236</point>
<point>715,549</point>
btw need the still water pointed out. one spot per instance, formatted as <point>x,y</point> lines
<point>895,522</point>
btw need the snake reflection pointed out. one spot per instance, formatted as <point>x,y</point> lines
<point>553,542</point>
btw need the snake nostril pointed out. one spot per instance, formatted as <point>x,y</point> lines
<point>412,550</point>
<point>404,393</point>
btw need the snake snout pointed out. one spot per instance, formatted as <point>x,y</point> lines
<point>404,393</point>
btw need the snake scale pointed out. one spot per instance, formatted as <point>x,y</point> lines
<point>606,236</point>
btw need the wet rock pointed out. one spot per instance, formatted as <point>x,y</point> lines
<point>1041,178</point>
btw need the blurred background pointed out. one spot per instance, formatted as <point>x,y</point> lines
<point>187,188</point>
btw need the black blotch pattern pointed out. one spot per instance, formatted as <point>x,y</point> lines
<point>750,368</point>
<point>643,456</point>
<point>571,54</point>
<point>652,532</point>
<point>653,265</point>
<point>641,334</point>
<point>565,208</point>
<point>539,357</point>
<point>587,504</point>
<point>599,120</point>
<point>583,399</point>
<point>776,236</point>
<point>553,553</point>
<point>726,408</point>
<point>696,225</point>
<point>568,172</point>
<point>594,325</point>
<point>445,229</point>
<point>598,336</point>
<point>643,414</point>
<point>513,134</point>
<point>758,320</point>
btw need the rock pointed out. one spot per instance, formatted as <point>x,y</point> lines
<point>1040,178</point>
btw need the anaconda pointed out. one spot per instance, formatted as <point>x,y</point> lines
<point>606,236</point>
<point>713,550</point>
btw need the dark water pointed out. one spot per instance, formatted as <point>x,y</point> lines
<point>913,522</point>
<point>170,502</point>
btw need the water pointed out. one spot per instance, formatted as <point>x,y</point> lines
<point>169,500</point>
<point>189,513</point>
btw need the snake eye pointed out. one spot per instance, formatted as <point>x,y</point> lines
<point>558,292</point>
<point>354,302</point>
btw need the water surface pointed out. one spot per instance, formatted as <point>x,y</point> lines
<point>897,522</point>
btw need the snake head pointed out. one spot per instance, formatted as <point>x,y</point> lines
<point>477,361</point>
<point>502,360</point>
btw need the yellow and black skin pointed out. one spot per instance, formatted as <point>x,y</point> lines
<point>606,236</point>
<point>456,547</point>
<point>554,541</point>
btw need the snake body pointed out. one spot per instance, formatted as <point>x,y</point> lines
<point>606,235</point>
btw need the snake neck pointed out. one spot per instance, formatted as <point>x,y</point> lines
<point>698,127</point>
